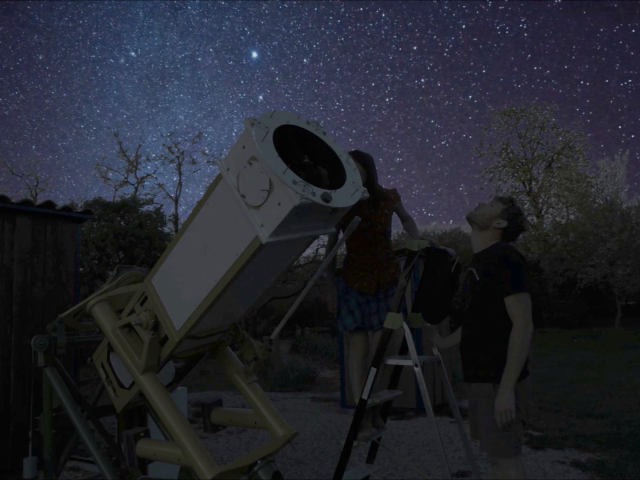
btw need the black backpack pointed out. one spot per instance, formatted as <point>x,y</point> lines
<point>438,285</point>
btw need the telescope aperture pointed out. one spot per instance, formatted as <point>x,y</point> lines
<point>309,157</point>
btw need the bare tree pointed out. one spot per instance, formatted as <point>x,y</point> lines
<point>180,158</point>
<point>34,180</point>
<point>131,173</point>
<point>77,203</point>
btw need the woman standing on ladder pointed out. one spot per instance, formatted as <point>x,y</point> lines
<point>361,292</point>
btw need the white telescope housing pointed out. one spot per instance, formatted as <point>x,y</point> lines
<point>283,183</point>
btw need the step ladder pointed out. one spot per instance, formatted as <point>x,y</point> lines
<point>393,321</point>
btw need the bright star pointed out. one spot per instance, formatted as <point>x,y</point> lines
<point>254,54</point>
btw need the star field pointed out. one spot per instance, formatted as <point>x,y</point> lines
<point>412,83</point>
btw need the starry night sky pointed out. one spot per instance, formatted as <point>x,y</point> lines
<point>412,83</point>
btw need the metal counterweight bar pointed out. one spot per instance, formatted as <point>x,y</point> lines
<point>177,426</point>
<point>79,422</point>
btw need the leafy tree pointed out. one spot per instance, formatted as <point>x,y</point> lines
<point>603,249</point>
<point>538,162</point>
<point>121,233</point>
<point>601,246</point>
<point>455,238</point>
<point>610,183</point>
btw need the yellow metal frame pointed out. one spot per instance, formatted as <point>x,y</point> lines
<point>186,448</point>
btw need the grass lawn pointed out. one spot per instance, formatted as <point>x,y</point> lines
<point>586,395</point>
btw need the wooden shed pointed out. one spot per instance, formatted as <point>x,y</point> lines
<point>39,279</point>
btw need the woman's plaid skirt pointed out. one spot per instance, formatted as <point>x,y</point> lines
<point>360,311</point>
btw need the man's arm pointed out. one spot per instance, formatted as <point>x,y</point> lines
<point>519,310</point>
<point>443,343</point>
<point>451,340</point>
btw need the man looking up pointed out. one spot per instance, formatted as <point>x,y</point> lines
<point>495,335</point>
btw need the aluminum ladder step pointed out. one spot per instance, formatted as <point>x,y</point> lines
<point>359,473</point>
<point>376,433</point>
<point>406,361</point>
<point>383,396</point>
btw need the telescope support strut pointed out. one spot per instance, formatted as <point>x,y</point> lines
<point>159,399</point>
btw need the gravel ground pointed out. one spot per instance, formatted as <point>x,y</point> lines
<point>409,448</point>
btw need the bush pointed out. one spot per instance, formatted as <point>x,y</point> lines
<point>311,313</point>
<point>295,374</point>
<point>124,232</point>
<point>258,326</point>
<point>572,313</point>
<point>319,347</point>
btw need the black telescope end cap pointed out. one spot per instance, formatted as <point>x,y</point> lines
<point>326,197</point>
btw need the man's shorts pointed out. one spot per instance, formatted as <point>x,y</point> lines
<point>495,441</point>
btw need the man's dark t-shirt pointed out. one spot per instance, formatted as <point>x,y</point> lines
<point>495,273</point>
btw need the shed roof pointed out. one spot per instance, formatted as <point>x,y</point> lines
<point>47,207</point>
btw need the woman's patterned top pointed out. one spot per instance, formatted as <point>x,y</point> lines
<point>370,265</point>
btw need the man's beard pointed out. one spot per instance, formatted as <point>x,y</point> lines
<point>470,219</point>
<point>474,223</point>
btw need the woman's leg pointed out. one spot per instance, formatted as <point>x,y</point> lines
<point>358,365</point>
<point>381,377</point>
<point>373,346</point>
<point>358,358</point>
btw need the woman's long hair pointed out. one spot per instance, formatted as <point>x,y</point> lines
<point>371,183</point>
